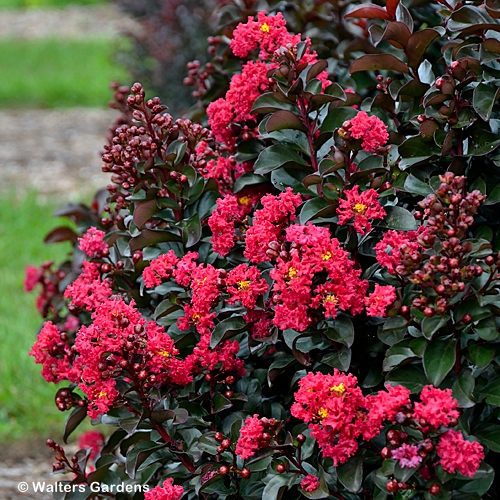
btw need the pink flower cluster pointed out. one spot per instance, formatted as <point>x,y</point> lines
<point>310,483</point>
<point>92,243</point>
<point>456,453</point>
<point>269,224</point>
<point>363,207</point>
<point>205,285</point>
<point>251,437</point>
<point>222,223</point>
<point>94,440</point>
<point>338,414</point>
<point>393,247</point>
<point>168,491</point>
<point>370,129</point>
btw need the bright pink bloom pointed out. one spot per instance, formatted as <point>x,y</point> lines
<point>220,116</point>
<point>378,301</point>
<point>438,406</point>
<point>222,222</point>
<point>456,453</point>
<point>394,246</point>
<point>88,291</point>
<point>408,456</point>
<point>269,223</point>
<point>168,491</point>
<point>261,324</point>
<point>92,243</point>
<point>185,268</point>
<point>159,269</point>
<point>370,129</point>
<point>362,207</point>
<point>309,483</point>
<point>94,440</point>
<point>245,284</point>
<point>250,439</point>
<point>53,352</point>
<point>33,275</point>
<point>269,33</point>
<point>244,89</point>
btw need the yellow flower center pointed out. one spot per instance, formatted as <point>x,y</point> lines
<point>164,353</point>
<point>244,285</point>
<point>292,272</point>
<point>360,208</point>
<point>265,28</point>
<point>330,299</point>
<point>323,412</point>
<point>338,389</point>
<point>102,394</point>
<point>326,256</point>
<point>244,200</point>
<point>195,317</point>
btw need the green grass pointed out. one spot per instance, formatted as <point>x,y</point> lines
<point>26,401</point>
<point>57,73</point>
<point>20,4</point>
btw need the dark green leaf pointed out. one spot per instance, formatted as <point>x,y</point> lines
<point>191,232</point>
<point>150,237</point>
<point>336,117</point>
<point>249,150</point>
<point>340,359</point>
<point>316,207</point>
<point>431,325</point>
<point>481,354</point>
<point>139,453</point>
<point>397,354</point>
<point>350,474</point>
<point>416,186</point>
<point>73,421</point>
<point>399,218</point>
<point>489,434</point>
<point>277,486</point>
<point>411,376</point>
<point>491,392</point>
<point>342,330</point>
<point>484,97</point>
<point>268,103</point>
<point>463,388</point>
<point>438,359</point>
<point>248,179</point>
<point>276,156</point>
<point>225,329</point>
<point>220,402</point>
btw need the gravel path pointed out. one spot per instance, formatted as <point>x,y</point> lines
<point>71,22</point>
<point>53,151</point>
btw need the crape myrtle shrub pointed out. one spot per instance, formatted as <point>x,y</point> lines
<point>301,297</point>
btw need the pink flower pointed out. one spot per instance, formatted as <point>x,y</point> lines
<point>456,453</point>
<point>268,32</point>
<point>370,129</point>
<point>94,440</point>
<point>222,222</point>
<point>408,456</point>
<point>159,269</point>
<point>245,284</point>
<point>393,247</point>
<point>251,439</point>
<point>362,207</point>
<point>33,275</point>
<point>220,116</point>
<point>438,406</point>
<point>310,483</point>
<point>379,300</point>
<point>168,491</point>
<point>269,223</point>
<point>92,243</point>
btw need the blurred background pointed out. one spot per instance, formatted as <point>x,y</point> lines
<point>57,58</point>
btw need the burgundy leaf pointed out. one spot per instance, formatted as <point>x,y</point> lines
<point>370,12</point>
<point>378,62</point>
<point>284,120</point>
<point>61,233</point>
<point>391,7</point>
<point>417,45</point>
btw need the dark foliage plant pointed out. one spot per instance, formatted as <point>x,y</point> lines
<point>296,294</point>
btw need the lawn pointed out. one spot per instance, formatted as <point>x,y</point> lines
<point>26,401</point>
<point>57,73</point>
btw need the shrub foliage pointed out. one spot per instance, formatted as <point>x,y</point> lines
<point>298,297</point>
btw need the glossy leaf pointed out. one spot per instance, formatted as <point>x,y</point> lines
<point>277,156</point>
<point>418,44</point>
<point>484,98</point>
<point>268,103</point>
<point>76,417</point>
<point>225,329</point>
<point>369,11</point>
<point>379,62</point>
<point>351,473</point>
<point>284,119</point>
<point>191,232</point>
<point>399,218</point>
<point>439,359</point>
